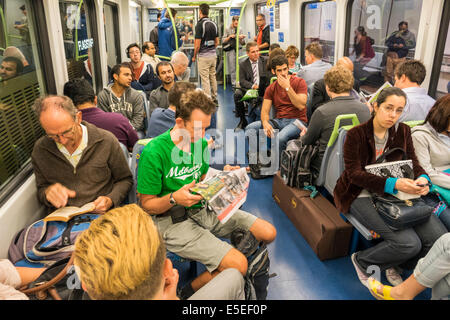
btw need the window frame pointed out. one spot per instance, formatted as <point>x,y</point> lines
<point>115,13</point>
<point>440,47</point>
<point>302,29</point>
<point>92,15</point>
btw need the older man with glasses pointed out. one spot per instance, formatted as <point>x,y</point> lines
<point>76,162</point>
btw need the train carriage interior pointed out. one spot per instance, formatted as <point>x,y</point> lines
<point>57,41</point>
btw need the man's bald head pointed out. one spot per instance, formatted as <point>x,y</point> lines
<point>346,63</point>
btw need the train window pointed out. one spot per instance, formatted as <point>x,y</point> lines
<point>319,25</point>
<point>78,39</point>
<point>21,82</point>
<point>135,23</point>
<point>380,35</point>
<point>216,15</point>
<point>440,76</point>
<point>111,22</point>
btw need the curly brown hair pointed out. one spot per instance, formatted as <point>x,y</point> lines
<point>339,79</point>
<point>195,99</point>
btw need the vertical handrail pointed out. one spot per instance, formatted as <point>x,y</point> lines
<point>77,20</point>
<point>2,16</point>
<point>237,43</point>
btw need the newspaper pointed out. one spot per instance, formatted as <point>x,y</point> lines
<point>224,191</point>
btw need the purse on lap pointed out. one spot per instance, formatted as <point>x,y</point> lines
<point>401,211</point>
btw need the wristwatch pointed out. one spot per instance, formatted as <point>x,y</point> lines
<point>287,89</point>
<point>172,200</point>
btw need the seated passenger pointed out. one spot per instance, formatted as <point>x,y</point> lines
<point>319,93</point>
<point>159,98</point>
<point>143,71</point>
<point>170,165</point>
<point>164,119</point>
<point>180,64</point>
<point>76,162</point>
<point>120,97</point>
<point>363,145</point>
<point>273,53</point>
<point>409,75</point>
<point>273,46</point>
<point>141,271</point>
<point>85,100</point>
<point>292,54</point>
<point>433,271</point>
<point>338,84</point>
<point>432,146</point>
<point>252,75</point>
<point>149,54</point>
<point>315,68</point>
<point>10,68</point>
<point>288,96</point>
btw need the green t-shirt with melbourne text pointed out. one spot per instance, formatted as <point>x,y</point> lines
<point>164,168</point>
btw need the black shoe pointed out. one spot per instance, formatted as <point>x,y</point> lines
<point>242,124</point>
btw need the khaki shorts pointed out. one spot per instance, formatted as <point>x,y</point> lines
<point>197,238</point>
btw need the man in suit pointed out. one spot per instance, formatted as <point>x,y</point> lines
<point>252,75</point>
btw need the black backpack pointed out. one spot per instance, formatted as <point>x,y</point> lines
<point>295,163</point>
<point>257,277</point>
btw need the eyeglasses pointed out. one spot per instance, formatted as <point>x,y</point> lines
<point>390,109</point>
<point>65,134</point>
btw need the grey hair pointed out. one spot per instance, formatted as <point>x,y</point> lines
<point>179,58</point>
<point>65,103</point>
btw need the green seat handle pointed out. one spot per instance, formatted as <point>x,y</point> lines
<point>413,123</point>
<point>272,79</point>
<point>337,123</point>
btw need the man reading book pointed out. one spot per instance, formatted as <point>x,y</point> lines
<point>169,166</point>
<point>76,162</point>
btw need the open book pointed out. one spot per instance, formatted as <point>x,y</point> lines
<point>67,213</point>
<point>224,191</point>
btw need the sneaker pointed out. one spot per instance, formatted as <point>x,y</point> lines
<point>393,276</point>
<point>361,274</point>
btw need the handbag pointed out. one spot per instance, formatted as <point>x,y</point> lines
<point>401,214</point>
<point>398,213</point>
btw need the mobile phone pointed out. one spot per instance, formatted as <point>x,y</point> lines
<point>424,184</point>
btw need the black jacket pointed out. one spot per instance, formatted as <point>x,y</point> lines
<point>246,80</point>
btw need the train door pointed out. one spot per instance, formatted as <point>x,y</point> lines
<point>79,41</point>
<point>185,21</point>
<point>112,34</point>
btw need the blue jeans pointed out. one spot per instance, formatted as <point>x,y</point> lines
<point>432,200</point>
<point>287,131</point>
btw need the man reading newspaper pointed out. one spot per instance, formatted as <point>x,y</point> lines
<point>171,164</point>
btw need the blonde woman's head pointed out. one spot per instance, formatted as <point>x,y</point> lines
<point>121,256</point>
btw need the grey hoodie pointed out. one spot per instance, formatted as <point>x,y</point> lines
<point>433,152</point>
<point>131,105</point>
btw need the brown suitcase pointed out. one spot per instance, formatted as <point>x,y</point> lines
<point>317,220</point>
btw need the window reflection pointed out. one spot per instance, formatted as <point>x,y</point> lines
<point>20,85</point>
<point>443,86</point>
<point>324,31</point>
<point>78,41</point>
<point>382,35</point>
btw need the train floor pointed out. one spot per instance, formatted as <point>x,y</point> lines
<point>300,274</point>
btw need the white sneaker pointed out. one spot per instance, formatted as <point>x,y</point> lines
<point>361,275</point>
<point>393,276</point>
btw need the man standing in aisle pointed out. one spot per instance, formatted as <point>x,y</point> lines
<point>206,41</point>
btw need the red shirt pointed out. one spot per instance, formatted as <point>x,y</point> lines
<point>282,102</point>
<point>137,72</point>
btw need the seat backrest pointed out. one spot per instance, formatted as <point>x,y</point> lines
<point>137,151</point>
<point>147,112</point>
<point>414,123</point>
<point>125,153</point>
<point>309,97</point>
<point>335,165</point>
<point>331,150</point>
